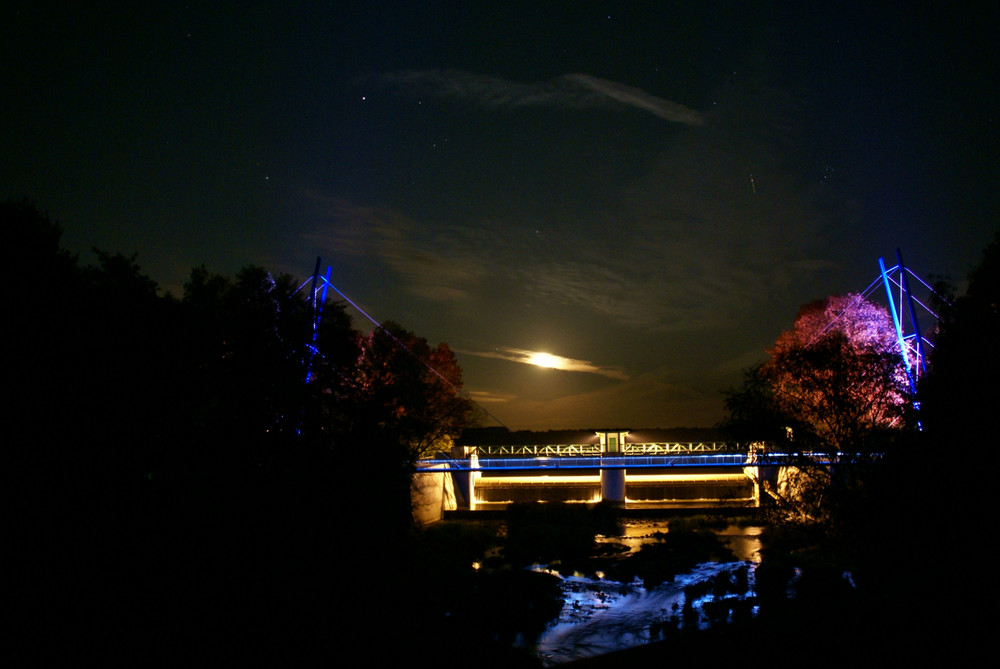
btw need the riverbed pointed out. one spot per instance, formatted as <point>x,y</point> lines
<point>601,616</point>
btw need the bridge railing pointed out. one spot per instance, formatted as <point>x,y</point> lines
<point>594,450</point>
<point>670,448</point>
<point>549,450</point>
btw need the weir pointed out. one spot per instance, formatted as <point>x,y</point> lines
<point>680,476</point>
<point>631,475</point>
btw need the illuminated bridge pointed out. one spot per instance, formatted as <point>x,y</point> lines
<point>634,475</point>
<point>653,474</point>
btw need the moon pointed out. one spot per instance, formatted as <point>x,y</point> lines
<point>545,360</point>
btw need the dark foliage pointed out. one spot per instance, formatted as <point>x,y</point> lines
<point>885,563</point>
<point>960,391</point>
<point>176,485</point>
<point>753,413</point>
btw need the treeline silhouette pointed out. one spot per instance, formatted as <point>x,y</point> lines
<point>175,487</point>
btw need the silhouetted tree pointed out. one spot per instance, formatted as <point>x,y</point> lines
<point>959,399</point>
<point>941,488</point>
<point>960,392</point>
<point>168,461</point>
<point>123,388</point>
<point>403,403</point>
<point>251,345</point>
<point>753,414</point>
<point>37,323</point>
<point>408,392</point>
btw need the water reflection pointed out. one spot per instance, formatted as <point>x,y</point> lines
<point>744,542</point>
<point>601,616</point>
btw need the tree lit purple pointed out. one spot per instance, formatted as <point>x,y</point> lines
<point>837,374</point>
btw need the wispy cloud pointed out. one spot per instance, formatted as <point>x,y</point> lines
<point>714,231</point>
<point>436,267</point>
<point>549,360</point>
<point>568,91</point>
<point>490,397</point>
<point>670,111</point>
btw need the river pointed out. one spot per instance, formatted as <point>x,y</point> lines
<point>601,616</point>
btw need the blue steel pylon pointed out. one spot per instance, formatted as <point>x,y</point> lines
<point>911,339</point>
<point>317,298</point>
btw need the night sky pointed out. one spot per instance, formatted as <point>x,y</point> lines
<point>647,190</point>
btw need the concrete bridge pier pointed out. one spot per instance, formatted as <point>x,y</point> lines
<point>474,475</point>
<point>613,486</point>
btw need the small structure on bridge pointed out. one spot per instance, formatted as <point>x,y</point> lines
<point>612,480</point>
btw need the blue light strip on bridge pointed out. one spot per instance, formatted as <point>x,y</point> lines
<point>586,463</point>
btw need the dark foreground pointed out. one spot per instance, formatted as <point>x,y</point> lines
<point>279,570</point>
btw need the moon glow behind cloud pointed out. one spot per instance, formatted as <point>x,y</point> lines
<point>547,360</point>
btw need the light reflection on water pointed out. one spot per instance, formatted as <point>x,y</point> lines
<point>743,541</point>
<point>600,616</point>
